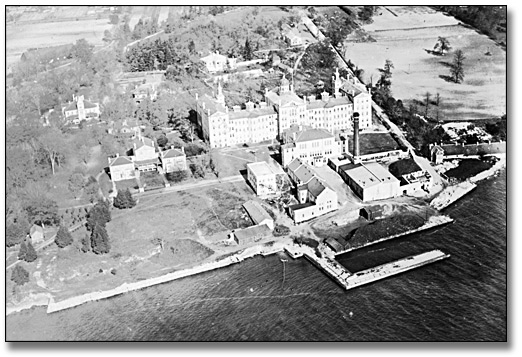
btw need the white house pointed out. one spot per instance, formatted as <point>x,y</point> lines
<point>263,178</point>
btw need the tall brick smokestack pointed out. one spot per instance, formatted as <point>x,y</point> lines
<point>356,134</point>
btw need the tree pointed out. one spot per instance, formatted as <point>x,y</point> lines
<point>16,232</point>
<point>52,143</point>
<point>76,184</point>
<point>98,214</point>
<point>82,51</point>
<point>124,199</point>
<point>248,52</point>
<point>100,240</point>
<point>19,275</point>
<point>41,210</point>
<point>442,45</point>
<point>31,253</point>
<point>437,103</point>
<point>114,19</point>
<point>63,237</point>
<point>386,74</point>
<point>366,13</point>
<point>86,244</point>
<point>427,97</point>
<point>457,67</point>
<point>92,189</point>
<point>22,253</point>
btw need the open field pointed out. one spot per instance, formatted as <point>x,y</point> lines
<point>405,39</point>
<point>22,36</point>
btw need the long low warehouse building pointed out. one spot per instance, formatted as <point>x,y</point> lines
<point>370,181</point>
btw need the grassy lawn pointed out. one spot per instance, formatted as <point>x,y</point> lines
<point>131,184</point>
<point>232,162</point>
<point>371,143</point>
<point>416,30</point>
<point>152,179</point>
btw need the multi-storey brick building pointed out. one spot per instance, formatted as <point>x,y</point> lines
<point>282,108</point>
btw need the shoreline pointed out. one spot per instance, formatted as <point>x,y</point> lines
<point>433,222</point>
<point>451,194</point>
<point>45,299</point>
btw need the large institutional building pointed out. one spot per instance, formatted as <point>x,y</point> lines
<point>223,126</point>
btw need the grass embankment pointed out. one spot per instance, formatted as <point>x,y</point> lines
<point>188,225</point>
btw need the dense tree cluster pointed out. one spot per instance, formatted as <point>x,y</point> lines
<point>488,19</point>
<point>124,199</point>
<point>97,218</point>
<point>27,252</point>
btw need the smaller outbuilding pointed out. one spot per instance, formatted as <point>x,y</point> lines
<point>258,214</point>
<point>372,213</point>
<point>37,234</point>
<point>252,234</point>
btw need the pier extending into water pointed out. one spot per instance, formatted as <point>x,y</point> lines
<point>349,280</point>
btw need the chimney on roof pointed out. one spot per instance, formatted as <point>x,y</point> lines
<point>134,146</point>
<point>353,93</point>
<point>208,112</point>
<point>356,152</point>
<point>203,105</point>
<point>325,96</point>
<point>117,154</point>
<point>369,91</point>
<point>294,136</point>
<point>197,96</point>
<point>183,149</point>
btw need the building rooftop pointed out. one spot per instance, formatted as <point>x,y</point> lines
<point>307,135</point>
<point>143,142</point>
<point>172,153</point>
<point>368,175</point>
<point>285,98</point>
<point>257,213</point>
<point>260,168</point>
<point>299,206</point>
<point>316,187</point>
<point>254,113</point>
<point>254,231</point>
<point>121,160</point>
<point>295,164</point>
<point>303,174</point>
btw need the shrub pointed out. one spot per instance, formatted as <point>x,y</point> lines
<point>63,237</point>
<point>281,230</point>
<point>100,240</point>
<point>31,253</point>
<point>177,176</point>
<point>19,275</point>
<point>124,200</point>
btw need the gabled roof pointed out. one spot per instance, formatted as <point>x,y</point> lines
<point>304,174</point>
<point>36,229</point>
<point>213,57</point>
<point>212,105</point>
<point>287,98</point>
<point>172,153</point>
<point>254,231</point>
<point>316,187</point>
<point>295,164</point>
<point>121,160</point>
<point>311,134</point>
<point>143,142</point>
<point>254,113</point>
<point>257,213</point>
<point>74,105</point>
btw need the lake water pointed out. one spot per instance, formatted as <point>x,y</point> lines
<point>462,298</point>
